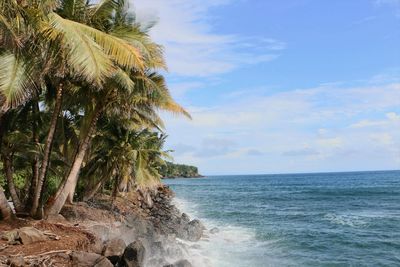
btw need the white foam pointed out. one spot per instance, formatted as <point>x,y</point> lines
<point>346,219</point>
<point>230,246</point>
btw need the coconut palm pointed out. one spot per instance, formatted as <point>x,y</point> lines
<point>67,65</point>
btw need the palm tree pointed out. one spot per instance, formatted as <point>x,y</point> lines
<point>66,65</point>
<point>92,55</point>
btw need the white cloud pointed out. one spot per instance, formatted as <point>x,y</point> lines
<point>328,143</point>
<point>392,118</point>
<point>192,48</point>
<point>293,129</point>
<point>382,138</point>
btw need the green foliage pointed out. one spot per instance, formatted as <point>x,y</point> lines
<point>79,78</point>
<point>178,170</point>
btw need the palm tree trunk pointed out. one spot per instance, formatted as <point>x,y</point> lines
<point>68,188</point>
<point>8,172</point>
<point>35,164</point>
<point>5,209</point>
<point>47,150</point>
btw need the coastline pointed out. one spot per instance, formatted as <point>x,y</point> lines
<point>136,230</point>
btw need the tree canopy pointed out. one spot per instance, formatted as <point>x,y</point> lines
<point>80,95</point>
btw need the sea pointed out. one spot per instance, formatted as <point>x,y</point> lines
<point>318,219</point>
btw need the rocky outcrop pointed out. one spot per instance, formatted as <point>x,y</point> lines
<point>193,230</point>
<point>152,226</point>
<point>113,249</point>
<point>169,220</point>
<point>134,255</point>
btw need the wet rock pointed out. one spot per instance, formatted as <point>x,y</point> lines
<point>185,218</point>
<point>134,255</point>
<point>114,249</point>
<point>86,259</point>
<point>194,230</point>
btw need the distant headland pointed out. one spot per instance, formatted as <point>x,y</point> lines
<point>172,170</point>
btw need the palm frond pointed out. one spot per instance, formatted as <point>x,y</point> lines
<point>119,50</point>
<point>84,55</point>
<point>123,80</point>
<point>103,10</point>
<point>16,84</point>
<point>10,30</point>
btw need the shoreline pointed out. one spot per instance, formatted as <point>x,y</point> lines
<point>143,230</point>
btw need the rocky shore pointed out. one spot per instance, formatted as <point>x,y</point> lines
<point>135,230</point>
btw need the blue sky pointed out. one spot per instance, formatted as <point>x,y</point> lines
<point>282,86</point>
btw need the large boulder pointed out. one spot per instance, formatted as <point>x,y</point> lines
<point>86,259</point>
<point>114,249</point>
<point>134,255</point>
<point>194,230</point>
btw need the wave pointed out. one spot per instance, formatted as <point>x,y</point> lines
<point>227,244</point>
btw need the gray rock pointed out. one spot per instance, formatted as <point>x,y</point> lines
<point>185,218</point>
<point>86,259</point>
<point>114,249</point>
<point>134,255</point>
<point>194,230</point>
<point>29,235</point>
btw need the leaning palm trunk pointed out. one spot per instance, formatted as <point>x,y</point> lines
<point>5,209</point>
<point>8,171</point>
<point>47,150</point>
<point>67,189</point>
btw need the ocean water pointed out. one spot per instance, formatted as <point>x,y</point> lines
<point>329,219</point>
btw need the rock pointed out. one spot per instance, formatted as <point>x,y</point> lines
<point>97,246</point>
<point>101,231</point>
<point>114,249</point>
<point>181,263</point>
<point>194,230</point>
<point>134,255</point>
<point>17,261</point>
<point>29,235</point>
<point>10,236</point>
<point>185,218</point>
<point>86,259</point>
<point>214,230</point>
<point>103,262</point>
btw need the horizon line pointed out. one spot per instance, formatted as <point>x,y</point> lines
<point>287,173</point>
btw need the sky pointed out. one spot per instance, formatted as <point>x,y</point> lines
<point>281,86</point>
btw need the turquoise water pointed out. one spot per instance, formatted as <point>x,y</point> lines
<point>331,219</point>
